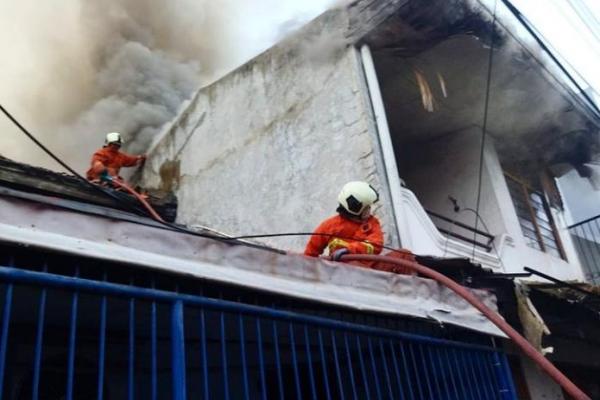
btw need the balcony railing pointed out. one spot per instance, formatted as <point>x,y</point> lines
<point>586,235</point>
<point>462,232</point>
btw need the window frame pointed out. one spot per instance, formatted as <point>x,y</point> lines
<point>527,191</point>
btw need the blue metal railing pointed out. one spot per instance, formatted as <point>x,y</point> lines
<point>212,348</point>
<point>586,235</point>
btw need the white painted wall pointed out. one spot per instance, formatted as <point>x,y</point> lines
<point>513,250</point>
<point>449,166</point>
<point>267,148</point>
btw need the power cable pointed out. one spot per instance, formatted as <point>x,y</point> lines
<point>97,188</point>
<point>488,231</point>
<point>62,163</point>
<point>485,120</point>
<point>529,27</point>
<point>268,235</point>
<point>174,227</point>
<point>586,17</point>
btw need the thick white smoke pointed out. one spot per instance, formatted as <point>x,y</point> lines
<point>74,70</point>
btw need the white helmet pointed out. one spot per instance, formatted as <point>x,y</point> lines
<point>113,137</point>
<point>356,196</point>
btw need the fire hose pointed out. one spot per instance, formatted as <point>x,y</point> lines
<point>122,185</point>
<point>460,290</point>
<point>491,315</point>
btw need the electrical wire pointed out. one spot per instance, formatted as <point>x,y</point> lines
<point>493,242</point>
<point>62,163</point>
<point>484,126</point>
<point>176,227</point>
<point>96,187</point>
<point>268,235</point>
<point>528,26</point>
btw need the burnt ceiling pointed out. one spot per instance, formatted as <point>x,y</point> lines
<point>433,61</point>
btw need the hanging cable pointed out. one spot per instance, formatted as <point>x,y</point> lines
<point>527,25</point>
<point>63,164</point>
<point>283,234</point>
<point>157,218</point>
<point>493,242</point>
<point>99,188</point>
<point>40,144</point>
<point>484,126</point>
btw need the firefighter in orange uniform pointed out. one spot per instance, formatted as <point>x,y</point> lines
<point>354,229</point>
<point>109,160</point>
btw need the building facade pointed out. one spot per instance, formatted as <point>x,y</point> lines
<point>456,112</point>
<point>451,111</point>
<point>97,301</point>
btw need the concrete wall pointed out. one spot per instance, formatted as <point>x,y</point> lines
<point>449,166</point>
<point>267,148</point>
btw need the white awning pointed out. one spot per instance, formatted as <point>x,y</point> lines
<point>55,228</point>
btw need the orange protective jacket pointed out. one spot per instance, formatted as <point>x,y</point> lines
<point>343,230</point>
<point>110,159</point>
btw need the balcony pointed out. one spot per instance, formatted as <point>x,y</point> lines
<point>427,232</point>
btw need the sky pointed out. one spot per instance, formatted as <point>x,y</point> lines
<point>577,44</point>
<point>70,69</point>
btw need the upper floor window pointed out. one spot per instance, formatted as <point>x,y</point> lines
<point>535,217</point>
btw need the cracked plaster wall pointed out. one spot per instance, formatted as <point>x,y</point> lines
<point>267,148</point>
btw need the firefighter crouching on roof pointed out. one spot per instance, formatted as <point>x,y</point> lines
<point>107,161</point>
<point>354,230</point>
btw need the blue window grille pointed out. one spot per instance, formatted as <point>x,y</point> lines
<point>73,337</point>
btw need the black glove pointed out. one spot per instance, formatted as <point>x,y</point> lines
<point>339,253</point>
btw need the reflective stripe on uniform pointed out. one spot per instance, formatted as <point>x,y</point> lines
<point>337,243</point>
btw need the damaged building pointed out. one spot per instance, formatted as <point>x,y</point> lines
<point>451,109</point>
<point>99,300</point>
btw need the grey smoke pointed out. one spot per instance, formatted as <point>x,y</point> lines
<point>144,68</point>
<point>140,90</point>
<point>324,47</point>
<point>123,65</point>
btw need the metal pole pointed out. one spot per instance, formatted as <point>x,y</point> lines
<point>178,352</point>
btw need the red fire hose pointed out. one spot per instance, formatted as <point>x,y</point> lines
<point>123,185</point>
<point>496,319</point>
<point>463,292</point>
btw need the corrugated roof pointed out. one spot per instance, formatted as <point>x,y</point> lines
<point>31,179</point>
